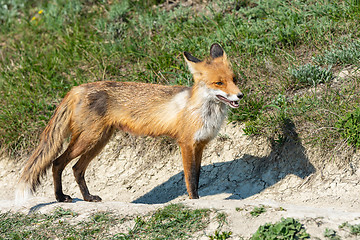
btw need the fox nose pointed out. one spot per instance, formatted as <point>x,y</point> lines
<point>240,95</point>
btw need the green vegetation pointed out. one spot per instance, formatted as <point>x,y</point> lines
<point>343,55</point>
<point>354,229</point>
<point>54,225</point>
<point>291,48</point>
<point>331,234</point>
<point>310,75</point>
<point>220,236</point>
<point>288,228</point>
<point>257,211</point>
<point>171,222</point>
<point>174,221</point>
<point>349,127</point>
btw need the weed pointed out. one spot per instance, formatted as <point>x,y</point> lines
<point>220,235</point>
<point>288,228</point>
<point>310,75</point>
<point>251,128</point>
<point>354,229</point>
<point>331,234</point>
<point>343,55</point>
<point>257,211</point>
<point>221,219</point>
<point>280,209</point>
<point>281,104</point>
<point>349,127</point>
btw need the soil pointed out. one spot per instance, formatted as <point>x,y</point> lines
<point>137,175</point>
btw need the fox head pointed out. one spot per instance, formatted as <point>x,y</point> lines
<point>216,75</point>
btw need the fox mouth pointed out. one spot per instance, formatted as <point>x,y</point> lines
<point>233,104</point>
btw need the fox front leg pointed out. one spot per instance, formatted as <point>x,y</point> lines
<point>191,155</point>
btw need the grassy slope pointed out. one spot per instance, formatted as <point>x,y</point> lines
<point>285,53</point>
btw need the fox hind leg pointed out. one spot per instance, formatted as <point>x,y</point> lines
<point>80,167</point>
<point>79,145</point>
<point>73,151</point>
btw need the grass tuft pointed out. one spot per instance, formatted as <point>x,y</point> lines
<point>174,221</point>
<point>344,55</point>
<point>310,75</point>
<point>257,211</point>
<point>354,229</point>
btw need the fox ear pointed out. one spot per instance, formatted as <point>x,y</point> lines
<point>191,58</point>
<point>191,62</point>
<point>216,51</point>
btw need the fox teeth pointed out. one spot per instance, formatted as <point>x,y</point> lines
<point>233,104</point>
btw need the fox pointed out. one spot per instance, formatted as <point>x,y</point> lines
<point>90,113</point>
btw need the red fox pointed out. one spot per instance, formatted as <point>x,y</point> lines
<point>90,113</point>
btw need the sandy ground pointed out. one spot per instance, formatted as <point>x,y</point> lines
<point>139,175</point>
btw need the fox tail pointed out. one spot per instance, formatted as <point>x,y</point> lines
<point>51,143</point>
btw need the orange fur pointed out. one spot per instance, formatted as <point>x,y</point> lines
<point>91,112</point>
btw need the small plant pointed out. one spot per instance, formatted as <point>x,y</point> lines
<point>310,75</point>
<point>349,127</point>
<point>251,128</point>
<point>331,234</point>
<point>60,212</point>
<point>354,229</point>
<point>257,211</point>
<point>288,228</point>
<point>220,236</point>
<point>344,55</point>
<point>221,219</point>
<point>239,209</point>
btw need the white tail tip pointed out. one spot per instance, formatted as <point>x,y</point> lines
<point>22,193</point>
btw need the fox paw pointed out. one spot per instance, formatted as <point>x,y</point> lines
<point>63,198</point>
<point>92,198</point>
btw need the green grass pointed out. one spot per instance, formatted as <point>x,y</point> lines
<point>171,222</point>
<point>47,47</point>
<point>174,221</point>
<point>47,226</point>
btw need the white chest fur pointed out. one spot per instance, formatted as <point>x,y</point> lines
<point>212,114</point>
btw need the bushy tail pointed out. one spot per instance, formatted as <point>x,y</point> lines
<point>51,142</point>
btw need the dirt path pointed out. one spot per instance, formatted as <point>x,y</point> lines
<point>139,175</point>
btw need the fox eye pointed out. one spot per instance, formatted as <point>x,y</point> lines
<point>219,83</point>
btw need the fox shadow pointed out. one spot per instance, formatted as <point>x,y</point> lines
<point>245,176</point>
